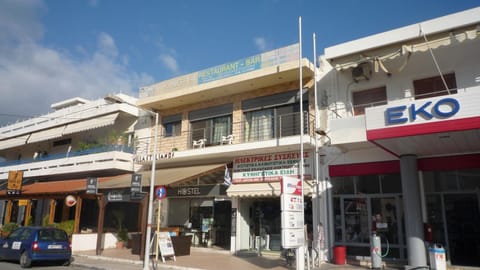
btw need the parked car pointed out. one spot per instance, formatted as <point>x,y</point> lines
<point>33,244</point>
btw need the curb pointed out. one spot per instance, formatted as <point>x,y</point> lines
<point>117,260</point>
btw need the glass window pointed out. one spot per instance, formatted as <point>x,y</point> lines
<point>368,98</point>
<point>367,184</point>
<point>212,129</point>
<point>356,220</point>
<point>172,129</point>
<point>343,185</point>
<point>391,183</point>
<point>259,125</point>
<point>434,86</point>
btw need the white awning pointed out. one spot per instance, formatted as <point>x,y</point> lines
<point>406,49</point>
<point>46,134</point>
<point>12,142</point>
<point>98,122</point>
<point>165,176</point>
<point>268,189</point>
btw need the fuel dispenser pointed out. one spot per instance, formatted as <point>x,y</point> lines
<point>376,251</point>
<point>376,242</point>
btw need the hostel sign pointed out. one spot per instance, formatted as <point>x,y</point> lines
<point>270,167</point>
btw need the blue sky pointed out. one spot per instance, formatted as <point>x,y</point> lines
<point>58,49</point>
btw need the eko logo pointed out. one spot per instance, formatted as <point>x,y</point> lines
<point>444,108</point>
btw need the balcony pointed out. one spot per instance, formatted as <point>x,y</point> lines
<point>111,157</point>
<point>227,139</point>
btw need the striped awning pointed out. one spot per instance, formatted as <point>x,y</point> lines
<point>93,123</point>
<point>46,134</point>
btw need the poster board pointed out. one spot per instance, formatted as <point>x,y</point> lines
<point>165,245</point>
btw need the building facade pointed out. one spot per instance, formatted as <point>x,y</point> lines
<point>403,151</point>
<point>242,120</point>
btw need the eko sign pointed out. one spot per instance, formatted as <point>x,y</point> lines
<point>441,109</point>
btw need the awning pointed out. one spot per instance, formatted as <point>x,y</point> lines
<point>47,134</point>
<point>103,121</point>
<point>9,143</point>
<point>164,176</point>
<point>268,189</point>
<point>57,187</point>
<point>404,50</point>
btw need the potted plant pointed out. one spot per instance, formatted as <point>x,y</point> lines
<point>122,233</point>
<point>8,228</point>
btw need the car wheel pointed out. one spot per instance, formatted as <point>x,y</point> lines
<point>25,261</point>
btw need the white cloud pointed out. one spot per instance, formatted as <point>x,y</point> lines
<point>169,62</point>
<point>260,43</point>
<point>34,76</point>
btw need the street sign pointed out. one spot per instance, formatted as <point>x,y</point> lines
<point>160,192</point>
<point>92,185</point>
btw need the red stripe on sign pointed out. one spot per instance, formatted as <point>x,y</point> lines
<point>382,167</point>
<point>426,128</point>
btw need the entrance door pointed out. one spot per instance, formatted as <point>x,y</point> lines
<point>463,230</point>
<point>222,226</point>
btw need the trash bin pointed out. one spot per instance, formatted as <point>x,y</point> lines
<point>340,255</point>
<point>436,254</point>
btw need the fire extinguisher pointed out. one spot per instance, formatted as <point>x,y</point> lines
<point>428,232</point>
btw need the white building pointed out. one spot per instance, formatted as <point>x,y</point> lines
<point>400,112</point>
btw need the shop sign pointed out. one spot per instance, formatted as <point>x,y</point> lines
<point>293,238</point>
<point>270,167</point>
<point>197,191</point>
<point>443,108</point>
<point>158,156</point>
<point>118,196</point>
<point>292,220</point>
<point>14,184</point>
<point>92,185</point>
<point>136,185</point>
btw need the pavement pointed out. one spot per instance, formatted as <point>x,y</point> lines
<point>199,258</point>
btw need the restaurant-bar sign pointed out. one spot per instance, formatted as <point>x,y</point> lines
<point>270,167</point>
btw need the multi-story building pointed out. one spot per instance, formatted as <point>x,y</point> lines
<point>402,123</point>
<point>48,157</point>
<point>240,120</point>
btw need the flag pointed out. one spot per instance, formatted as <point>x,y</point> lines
<point>228,180</point>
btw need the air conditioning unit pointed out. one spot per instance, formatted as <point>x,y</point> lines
<point>362,72</point>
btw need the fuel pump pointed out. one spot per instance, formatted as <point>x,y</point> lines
<point>376,242</point>
<point>376,250</point>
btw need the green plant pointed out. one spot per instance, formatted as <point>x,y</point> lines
<point>122,235</point>
<point>8,228</point>
<point>67,226</point>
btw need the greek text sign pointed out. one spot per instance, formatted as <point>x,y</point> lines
<point>270,167</point>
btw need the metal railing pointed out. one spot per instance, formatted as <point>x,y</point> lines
<point>48,157</point>
<point>251,130</point>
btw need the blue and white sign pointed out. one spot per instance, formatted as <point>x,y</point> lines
<point>441,109</point>
<point>160,192</point>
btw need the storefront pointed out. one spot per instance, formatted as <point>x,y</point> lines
<point>419,186</point>
<point>255,194</point>
<point>202,211</point>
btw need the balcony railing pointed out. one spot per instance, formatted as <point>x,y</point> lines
<point>252,130</point>
<point>49,157</point>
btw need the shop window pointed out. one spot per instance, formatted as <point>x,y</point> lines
<point>434,86</point>
<point>343,185</point>
<point>367,184</point>
<point>391,183</point>
<point>368,98</point>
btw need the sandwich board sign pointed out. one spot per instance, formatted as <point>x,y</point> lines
<point>164,245</point>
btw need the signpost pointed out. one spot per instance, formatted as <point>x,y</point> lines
<point>163,240</point>
<point>291,203</point>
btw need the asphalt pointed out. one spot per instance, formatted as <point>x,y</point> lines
<point>199,258</point>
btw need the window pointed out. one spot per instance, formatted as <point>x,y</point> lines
<point>212,129</point>
<point>434,86</point>
<point>172,129</point>
<point>368,98</point>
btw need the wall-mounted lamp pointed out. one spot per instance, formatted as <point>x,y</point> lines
<point>324,134</point>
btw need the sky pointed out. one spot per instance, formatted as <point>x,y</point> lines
<point>55,50</point>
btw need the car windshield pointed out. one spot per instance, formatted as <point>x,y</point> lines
<point>52,235</point>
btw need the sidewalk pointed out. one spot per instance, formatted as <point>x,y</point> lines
<point>199,258</point>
